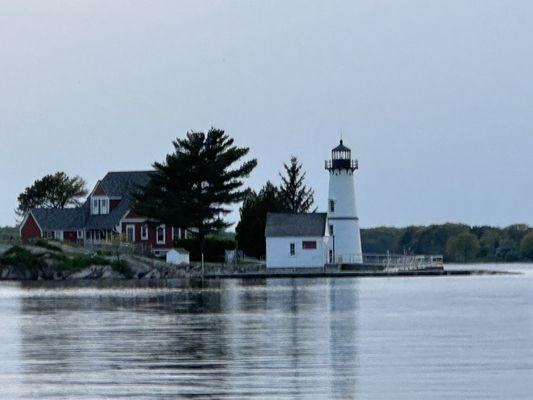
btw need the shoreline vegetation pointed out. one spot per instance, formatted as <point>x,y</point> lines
<point>458,243</point>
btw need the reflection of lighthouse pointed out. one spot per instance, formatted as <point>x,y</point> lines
<point>345,243</point>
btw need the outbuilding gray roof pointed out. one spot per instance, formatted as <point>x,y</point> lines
<point>60,219</point>
<point>296,225</point>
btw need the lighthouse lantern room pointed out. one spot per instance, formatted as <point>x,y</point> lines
<point>345,237</point>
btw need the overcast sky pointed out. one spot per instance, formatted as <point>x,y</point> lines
<point>434,97</point>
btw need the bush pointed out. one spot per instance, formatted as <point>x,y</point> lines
<point>46,245</point>
<point>123,268</point>
<point>215,248</point>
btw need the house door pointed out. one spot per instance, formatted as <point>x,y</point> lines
<point>130,233</point>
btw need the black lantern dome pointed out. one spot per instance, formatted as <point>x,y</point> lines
<point>341,158</point>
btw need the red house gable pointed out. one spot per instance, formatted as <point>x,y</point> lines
<point>99,190</point>
<point>30,229</point>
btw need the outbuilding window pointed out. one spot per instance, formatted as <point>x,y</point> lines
<point>292,249</point>
<point>309,245</point>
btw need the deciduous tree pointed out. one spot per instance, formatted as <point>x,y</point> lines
<point>463,247</point>
<point>52,191</point>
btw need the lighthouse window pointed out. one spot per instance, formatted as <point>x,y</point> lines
<point>332,206</point>
<point>292,249</point>
<point>331,230</point>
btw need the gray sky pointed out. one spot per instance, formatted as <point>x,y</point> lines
<point>434,97</point>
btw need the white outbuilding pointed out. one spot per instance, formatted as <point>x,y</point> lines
<point>297,240</point>
<point>177,256</point>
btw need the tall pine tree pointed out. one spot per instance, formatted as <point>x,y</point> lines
<point>251,228</point>
<point>194,185</point>
<point>295,196</point>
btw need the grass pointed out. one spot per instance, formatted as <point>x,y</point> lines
<point>48,246</point>
<point>20,257</point>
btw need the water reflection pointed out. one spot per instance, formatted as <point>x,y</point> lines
<point>438,338</point>
<point>276,338</point>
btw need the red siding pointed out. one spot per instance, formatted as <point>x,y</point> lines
<point>151,243</point>
<point>30,230</point>
<point>99,191</point>
<point>71,236</point>
<point>113,203</point>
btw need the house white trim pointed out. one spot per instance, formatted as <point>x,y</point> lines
<point>26,220</point>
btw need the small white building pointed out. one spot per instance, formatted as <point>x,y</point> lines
<point>297,240</point>
<point>177,256</point>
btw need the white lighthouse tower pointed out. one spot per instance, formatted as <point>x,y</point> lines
<point>345,241</point>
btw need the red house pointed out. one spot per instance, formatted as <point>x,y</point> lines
<point>106,213</point>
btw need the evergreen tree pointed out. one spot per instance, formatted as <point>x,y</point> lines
<point>295,196</point>
<point>194,185</point>
<point>52,191</point>
<point>251,228</point>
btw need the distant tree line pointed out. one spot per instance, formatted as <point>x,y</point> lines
<point>456,242</point>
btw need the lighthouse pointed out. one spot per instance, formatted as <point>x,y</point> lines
<point>345,238</point>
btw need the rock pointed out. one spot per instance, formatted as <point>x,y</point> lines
<point>153,274</point>
<point>109,273</point>
<point>86,273</point>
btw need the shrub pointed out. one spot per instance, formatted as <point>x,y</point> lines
<point>123,268</point>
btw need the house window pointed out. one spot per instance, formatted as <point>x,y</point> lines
<point>309,245</point>
<point>144,232</point>
<point>161,234</point>
<point>130,233</point>
<point>176,234</point>
<point>95,206</point>
<point>332,206</point>
<point>104,206</point>
<point>292,249</point>
<point>49,235</point>
<point>79,234</point>
<point>331,230</point>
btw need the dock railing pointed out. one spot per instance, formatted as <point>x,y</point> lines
<point>396,262</point>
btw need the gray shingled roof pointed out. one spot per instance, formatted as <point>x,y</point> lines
<point>296,225</point>
<point>111,220</point>
<point>118,184</point>
<point>115,184</point>
<point>60,219</point>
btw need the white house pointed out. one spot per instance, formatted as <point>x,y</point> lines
<point>297,240</point>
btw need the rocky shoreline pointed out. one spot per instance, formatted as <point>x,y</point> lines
<point>31,263</point>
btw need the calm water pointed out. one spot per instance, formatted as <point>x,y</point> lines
<point>417,338</point>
